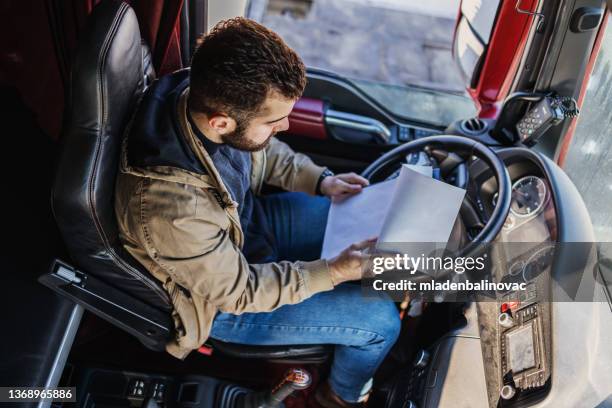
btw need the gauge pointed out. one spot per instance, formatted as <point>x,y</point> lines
<point>538,262</point>
<point>516,268</point>
<point>528,195</point>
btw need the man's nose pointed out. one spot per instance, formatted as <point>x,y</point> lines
<point>284,125</point>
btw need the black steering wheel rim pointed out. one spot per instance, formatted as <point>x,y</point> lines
<point>475,148</point>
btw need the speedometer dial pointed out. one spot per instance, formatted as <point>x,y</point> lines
<point>528,196</point>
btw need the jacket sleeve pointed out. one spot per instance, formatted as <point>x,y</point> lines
<point>290,170</point>
<point>187,234</point>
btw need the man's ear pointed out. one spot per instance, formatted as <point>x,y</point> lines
<point>221,123</point>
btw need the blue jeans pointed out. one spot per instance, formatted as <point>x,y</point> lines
<point>362,329</point>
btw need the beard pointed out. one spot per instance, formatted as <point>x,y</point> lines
<point>238,139</point>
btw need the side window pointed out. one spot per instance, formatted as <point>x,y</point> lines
<point>589,158</point>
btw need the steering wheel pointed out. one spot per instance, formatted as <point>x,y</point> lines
<point>462,146</point>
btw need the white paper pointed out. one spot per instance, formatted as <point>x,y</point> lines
<point>410,208</point>
<point>423,209</point>
<point>424,170</point>
<point>356,218</point>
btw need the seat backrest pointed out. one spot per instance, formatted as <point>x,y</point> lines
<point>106,83</point>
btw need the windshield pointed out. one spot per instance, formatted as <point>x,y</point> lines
<point>398,52</point>
<point>424,105</point>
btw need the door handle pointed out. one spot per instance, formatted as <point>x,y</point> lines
<point>358,122</point>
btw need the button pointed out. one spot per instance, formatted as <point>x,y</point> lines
<point>509,306</point>
<point>505,320</point>
<point>137,388</point>
<point>507,392</point>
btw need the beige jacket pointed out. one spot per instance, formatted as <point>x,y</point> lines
<point>173,222</point>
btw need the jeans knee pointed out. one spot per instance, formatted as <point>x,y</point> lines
<point>393,326</point>
<point>388,323</point>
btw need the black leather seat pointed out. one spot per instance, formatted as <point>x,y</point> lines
<point>108,77</point>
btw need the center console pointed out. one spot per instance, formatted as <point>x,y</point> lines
<point>112,388</point>
<point>98,387</point>
<point>450,370</point>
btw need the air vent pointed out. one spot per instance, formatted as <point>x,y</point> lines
<point>473,126</point>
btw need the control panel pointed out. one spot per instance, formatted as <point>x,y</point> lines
<point>405,134</point>
<point>106,387</point>
<point>523,324</point>
<point>141,388</point>
<point>524,362</point>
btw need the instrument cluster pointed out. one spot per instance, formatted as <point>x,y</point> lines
<point>529,196</point>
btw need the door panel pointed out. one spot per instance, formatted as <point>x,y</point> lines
<point>586,155</point>
<point>588,159</point>
<point>342,127</point>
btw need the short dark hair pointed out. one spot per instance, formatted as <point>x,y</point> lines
<point>237,64</point>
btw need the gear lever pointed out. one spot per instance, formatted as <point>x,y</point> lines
<point>294,379</point>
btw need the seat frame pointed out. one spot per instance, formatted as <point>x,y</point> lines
<point>154,327</point>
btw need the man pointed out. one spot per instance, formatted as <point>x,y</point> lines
<point>238,266</point>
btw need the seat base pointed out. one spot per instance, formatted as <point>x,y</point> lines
<point>290,354</point>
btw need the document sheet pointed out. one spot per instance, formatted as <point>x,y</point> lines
<point>410,208</point>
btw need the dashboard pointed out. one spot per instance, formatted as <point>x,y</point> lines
<point>515,328</point>
<point>525,348</point>
<point>503,356</point>
<point>505,352</point>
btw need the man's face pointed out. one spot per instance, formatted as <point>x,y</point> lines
<point>254,134</point>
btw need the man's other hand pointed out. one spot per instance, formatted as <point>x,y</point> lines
<point>348,265</point>
<point>341,184</point>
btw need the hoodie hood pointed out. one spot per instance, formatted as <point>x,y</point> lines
<point>156,138</point>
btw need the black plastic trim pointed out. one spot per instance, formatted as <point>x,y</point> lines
<point>151,326</point>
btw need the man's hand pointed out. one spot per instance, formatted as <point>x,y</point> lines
<point>340,184</point>
<point>349,264</point>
